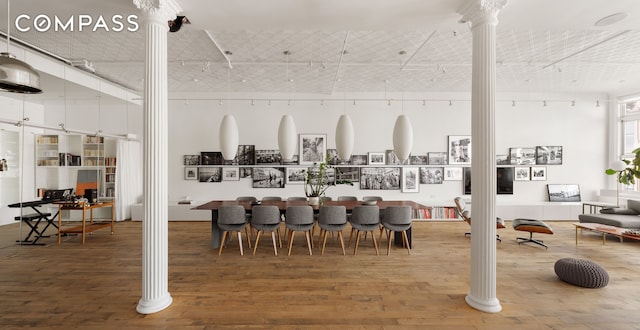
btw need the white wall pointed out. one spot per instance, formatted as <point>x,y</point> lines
<point>580,129</point>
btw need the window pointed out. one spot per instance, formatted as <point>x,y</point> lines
<point>630,126</point>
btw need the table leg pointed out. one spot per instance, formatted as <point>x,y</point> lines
<point>604,238</point>
<point>84,225</point>
<point>112,219</point>
<point>576,235</point>
<point>59,222</point>
<point>216,233</point>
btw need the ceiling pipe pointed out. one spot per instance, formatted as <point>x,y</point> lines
<point>585,49</point>
<point>417,50</point>
<point>224,54</point>
<point>344,47</point>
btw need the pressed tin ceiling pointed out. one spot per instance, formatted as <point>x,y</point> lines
<point>413,45</point>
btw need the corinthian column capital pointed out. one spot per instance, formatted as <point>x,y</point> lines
<point>164,10</point>
<point>481,11</point>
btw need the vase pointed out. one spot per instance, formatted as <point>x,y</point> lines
<point>314,200</point>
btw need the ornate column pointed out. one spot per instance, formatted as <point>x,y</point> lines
<point>483,17</point>
<point>155,294</point>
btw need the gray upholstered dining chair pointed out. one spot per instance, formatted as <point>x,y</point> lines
<point>266,218</point>
<point>347,198</point>
<point>271,199</point>
<point>332,219</point>
<point>246,199</point>
<point>299,218</point>
<point>364,218</point>
<point>232,218</point>
<point>397,219</point>
<point>297,199</point>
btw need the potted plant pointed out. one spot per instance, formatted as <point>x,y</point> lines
<point>626,170</point>
<point>316,181</point>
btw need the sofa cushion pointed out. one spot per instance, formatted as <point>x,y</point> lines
<point>617,220</point>
<point>634,205</point>
<point>618,210</point>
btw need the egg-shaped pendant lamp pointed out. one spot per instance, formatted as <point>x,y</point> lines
<point>287,138</point>
<point>402,137</point>
<point>229,137</point>
<point>344,138</point>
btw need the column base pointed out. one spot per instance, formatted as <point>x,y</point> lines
<point>154,306</point>
<point>492,306</point>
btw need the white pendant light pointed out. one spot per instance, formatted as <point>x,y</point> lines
<point>402,137</point>
<point>287,138</point>
<point>228,136</point>
<point>17,76</point>
<point>344,137</point>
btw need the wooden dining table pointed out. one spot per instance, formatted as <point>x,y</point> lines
<point>216,232</point>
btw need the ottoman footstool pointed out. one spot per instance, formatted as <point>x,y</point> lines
<point>531,226</point>
<point>581,272</point>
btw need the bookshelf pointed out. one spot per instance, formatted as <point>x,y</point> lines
<point>439,212</point>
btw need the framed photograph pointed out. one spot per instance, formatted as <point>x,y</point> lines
<point>410,180</point>
<point>522,156</point>
<point>295,175</point>
<point>268,177</point>
<point>190,160</point>
<point>211,158</point>
<point>230,174</point>
<point>347,173</point>
<point>453,173</point>
<point>380,178</point>
<point>209,174</point>
<point>392,159</point>
<point>358,160</point>
<point>245,172</point>
<point>334,159</point>
<point>191,172</point>
<point>459,149</point>
<point>538,173</point>
<point>522,173</point>
<point>376,158</point>
<point>549,155</point>
<point>563,192</point>
<point>268,157</point>
<point>503,159</point>
<point>437,158</point>
<point>431,175</point>
<point>418,160</point>
<point>313,148</point>
<point>246,155</point>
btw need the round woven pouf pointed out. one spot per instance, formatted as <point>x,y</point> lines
<point>584,273</point>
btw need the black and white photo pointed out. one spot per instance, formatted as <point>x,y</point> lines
<point>418,160</point>
<point>453,174</point>
<point>563,192</point>
<point>209,174</point>
<point>211,158</point>
<point>436,158</point>
<point>376,158</point>
<point>313,148</point>
<point>380,178</point>
<point>522,173</point>
<point>459,149</point>
<point>245,172</point>
<point>522,156</point>
<point>190,173</point>
<point>503,159</point>
<point>334,159</point>
<point>246,155</point>
<point>268,157</point>
<point>431,175</point>
<point>230,174</point>
<point>268,177</point>
<point>410,179</point>
<point>295,175</point>
<point>548,155</point>
<point>538,173</point>
<point>359,160</point>
<point>392,159</point>
<point>347,173</point>
<point>191,160</point>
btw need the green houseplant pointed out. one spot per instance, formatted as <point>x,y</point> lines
<point>629,174</point>
<point>317,180</point>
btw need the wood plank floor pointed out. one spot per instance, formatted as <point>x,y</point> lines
<point>97,286</point>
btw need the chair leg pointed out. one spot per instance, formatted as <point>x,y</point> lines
<point>355,250</point>
<point>249,237</point>
<point>279,238</point>
<point>273,238</point>
<point>406,241</point>
<point>521,240</point>
<point>240,242</point>
<point>255,245</point>
<point>351,235</point>
<point>320,236</point>
<point>341,242</point>
<point>224,237</point>
<point>307,233</point>
<point>389,241</point>
<point>324,241</point>
<point>290,239</point>
<point>375,244</point>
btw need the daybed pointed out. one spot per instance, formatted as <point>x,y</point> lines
<point>619,217</point>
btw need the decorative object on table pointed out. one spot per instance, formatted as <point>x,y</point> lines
<point>191,160</point>
<point>268,177</point>
<point>402,138</point>
<point>268,157</point>
<point>411,179</point>
<point>375,158</point>
<point>549,155</point>
<point>380,178</point>
<point>313,148</point>
<point>431,175</point>
<point>190,173</point>
<point>563,192</point>
<point>287,138</point>
<point>209,174</point>
<point>453,174</point>
<point>437,158</point>
<point>522,173</point>
<point>619,167</point>
<point>538,173</point>
<point>230,174</point>
<point>522,156</point>
<point>459,149</point>
<point>318,178</point>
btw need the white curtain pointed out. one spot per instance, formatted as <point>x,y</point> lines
<point>128,177</point>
